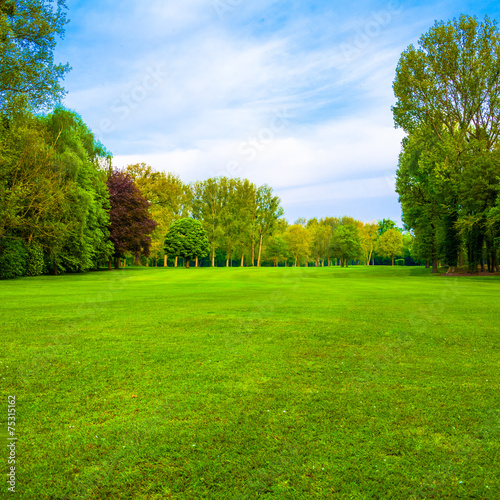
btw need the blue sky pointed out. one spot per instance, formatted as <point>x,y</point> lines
<point>289,93</point>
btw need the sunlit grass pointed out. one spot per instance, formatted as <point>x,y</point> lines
<point>240,383</point>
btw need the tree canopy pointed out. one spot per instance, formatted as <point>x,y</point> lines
<point>131,222</point>
<point>186,238</point>
<point>28,74</point>
<point>346,243</point>
<point>448,101</point>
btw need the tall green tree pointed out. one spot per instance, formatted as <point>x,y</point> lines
<point>297,238</point>
<point>208,201</point>
<point>368,233</point>
<point>277,249</point>
<point>268,213</point>
<point>346,243</point>
<point>449,87</point>
<point>82,163</point>
<point>53,189</point>
<point>246,218</point>
<point>390,244</point>
<point>28,32</point>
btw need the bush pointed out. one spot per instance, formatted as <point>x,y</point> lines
<point>12,258</point>
<point>34,261</point>
<point>399,262</point>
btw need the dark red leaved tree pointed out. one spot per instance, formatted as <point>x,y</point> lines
<point>131,222</point>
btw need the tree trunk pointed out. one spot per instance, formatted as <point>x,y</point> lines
<point>434,265</point>
<point>186,263</point>
<point>165,261</point>
<point>175,263</point>
<point>243,259</point>
<point>196,262</point>
<point>392,257</point>
<point>213,256</point>
<point>260,249</point>
<point>253,254</point>
<point>109,263</point>
<point>427,265</point>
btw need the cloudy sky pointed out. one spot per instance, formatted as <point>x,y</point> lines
<point>292,93</point>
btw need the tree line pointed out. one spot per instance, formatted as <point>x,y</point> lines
<point>245,225</point>
<point>64,209</point>
<point>448,179</point>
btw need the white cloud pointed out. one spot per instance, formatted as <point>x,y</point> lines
<point>221,80</point>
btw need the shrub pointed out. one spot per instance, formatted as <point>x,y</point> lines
<point>34,260</point>
<point>12,258</point>
<point>399,262</point>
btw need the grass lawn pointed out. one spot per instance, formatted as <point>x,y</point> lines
<point>246,383</point>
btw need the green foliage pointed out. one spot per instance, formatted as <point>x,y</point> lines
<point>34,259</point>
<point>277,249</point>
<point>12,258</point>
<point>28,75</point>
<point>235,214</point>
<point>399,262</point>
<point>449,169</point>
<point>386,224</point>
<point>53,188</point>
<point>390,244</point>
<point>186,238</point>
<point>297,239</point>
<point>346,243</point>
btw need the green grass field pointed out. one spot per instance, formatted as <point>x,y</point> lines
<point>246,383</point>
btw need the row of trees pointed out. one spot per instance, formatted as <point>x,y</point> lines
<point>328,241</point>
<point>244,223</point>
<point>63,208</point>
<point>334,240</point>
<point>237,215</point>
<point>448,180</point>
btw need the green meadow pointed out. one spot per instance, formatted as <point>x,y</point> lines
<point>278,383</point>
